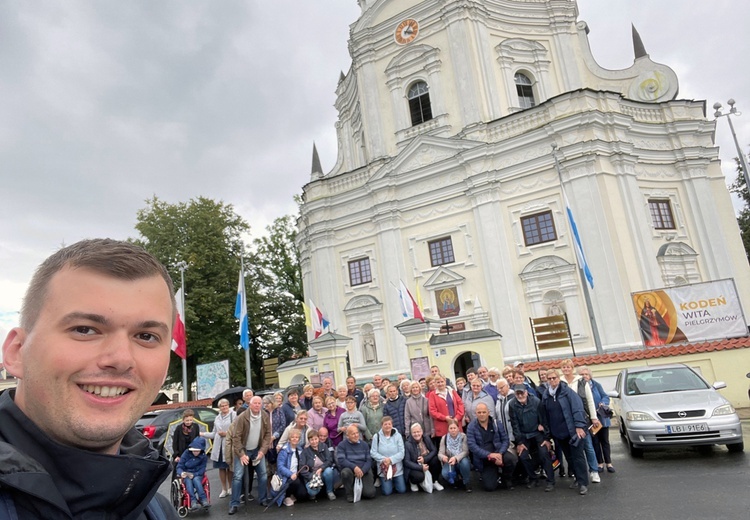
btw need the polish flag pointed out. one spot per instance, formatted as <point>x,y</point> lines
<point>319,323</point>
<point>179,345</point>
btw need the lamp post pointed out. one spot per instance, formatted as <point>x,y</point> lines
<point>733,111</point>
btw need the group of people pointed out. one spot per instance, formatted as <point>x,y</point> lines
<point>411,435</point>
<point>92,351</point>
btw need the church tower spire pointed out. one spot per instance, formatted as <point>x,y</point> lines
<point>638,48</point>
<point>317,169</point>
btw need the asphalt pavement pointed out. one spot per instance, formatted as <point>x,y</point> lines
<point>679,484</point>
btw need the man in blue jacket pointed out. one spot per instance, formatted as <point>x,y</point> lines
<point>191,468</point>
<point>488,445</point>
<point>566,422</point>
<point>353,457</point>
<point>90,355</point>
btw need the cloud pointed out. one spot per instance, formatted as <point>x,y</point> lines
<point>106,104</point>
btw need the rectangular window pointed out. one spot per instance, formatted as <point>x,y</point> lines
<point>661,213</point>
<point>441,252</point>
<point>538,228</point>
<point>359,271</point>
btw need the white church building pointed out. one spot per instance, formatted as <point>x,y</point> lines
<point>445,180</point>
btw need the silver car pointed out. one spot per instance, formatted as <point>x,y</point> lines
<point>671,405</point>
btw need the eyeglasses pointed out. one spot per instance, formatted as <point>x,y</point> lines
<point>552,378</point>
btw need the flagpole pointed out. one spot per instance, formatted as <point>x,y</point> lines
<point>581,274</point>
<point>182,265</point>
<point>248,371</point>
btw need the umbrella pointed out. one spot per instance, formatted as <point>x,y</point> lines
<point>232,395</point>
<point>279,495</point>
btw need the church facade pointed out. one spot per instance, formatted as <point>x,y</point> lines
<point>450,119</point>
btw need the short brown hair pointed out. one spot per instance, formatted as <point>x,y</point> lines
<point>114,258</point>
<point>188,413</point>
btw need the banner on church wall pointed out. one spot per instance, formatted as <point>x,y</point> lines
<point>696,312</point>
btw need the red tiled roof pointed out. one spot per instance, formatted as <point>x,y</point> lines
<point>186,404</point>
<point>645,353</point>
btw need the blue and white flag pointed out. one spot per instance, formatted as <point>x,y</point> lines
<point>577,241</point>
<point>240,312</point>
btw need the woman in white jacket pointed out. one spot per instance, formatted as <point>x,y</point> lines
<point>219,435</point>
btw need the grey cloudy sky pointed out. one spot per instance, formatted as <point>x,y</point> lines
<point>104,104</point>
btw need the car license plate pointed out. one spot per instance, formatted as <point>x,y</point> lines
<point>688,428</point>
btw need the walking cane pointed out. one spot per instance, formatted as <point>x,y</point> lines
<point>246,480</point>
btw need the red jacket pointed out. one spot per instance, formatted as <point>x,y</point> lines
<point>439,411</point>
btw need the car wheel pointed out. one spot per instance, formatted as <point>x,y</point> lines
<point>737,447</point>
<point>634,451</point>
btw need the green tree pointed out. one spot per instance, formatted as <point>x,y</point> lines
<point>207,236</point>
<point>743,219</point>
<point>281,331</point>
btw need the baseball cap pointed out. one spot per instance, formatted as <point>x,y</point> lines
<point>519,388</point>
<point>517,364</point>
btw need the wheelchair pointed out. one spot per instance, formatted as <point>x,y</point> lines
<point>181,499</point>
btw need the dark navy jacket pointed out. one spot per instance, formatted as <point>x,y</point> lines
<point>475,438</point>
<point>195,464</point>
<point>571,405</point>
<point>42,479</point>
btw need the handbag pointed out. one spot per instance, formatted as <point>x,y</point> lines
<point>276,483</point>
<point>357,490</point>
<point>315,482</point>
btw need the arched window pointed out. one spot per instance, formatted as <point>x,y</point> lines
<point>524,90</point>
<point>419,103</point>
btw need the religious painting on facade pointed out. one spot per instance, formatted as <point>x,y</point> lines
<point>447,302</point>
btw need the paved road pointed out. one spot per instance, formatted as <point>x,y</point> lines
<point>679,484</point>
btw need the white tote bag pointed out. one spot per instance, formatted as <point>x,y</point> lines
<point>427,484</point>
<point>357,490</point>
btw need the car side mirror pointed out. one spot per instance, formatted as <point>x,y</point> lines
<point>614,393</point>
<point>718,385</point>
